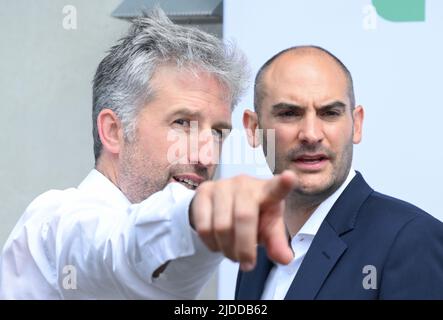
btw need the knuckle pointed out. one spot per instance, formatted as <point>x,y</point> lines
<point>244,179</point>
<point>222,228</point>
<point>240,179</point>
<point>244,215</point>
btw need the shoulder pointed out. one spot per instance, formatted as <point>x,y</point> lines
<point>43,210</point>
<point>51,201</point>
<point>57,203</point>
<point>390,215</point>
<point>413,268</point>
<point>391,209</point>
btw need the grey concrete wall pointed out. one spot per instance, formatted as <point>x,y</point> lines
<point>45,96</point>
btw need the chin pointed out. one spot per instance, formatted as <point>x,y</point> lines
<point>313,187</point>
<point>310,190</point>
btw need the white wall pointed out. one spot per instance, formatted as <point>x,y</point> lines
<point>397,70</point>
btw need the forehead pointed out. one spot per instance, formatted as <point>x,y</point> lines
<point>305,76</point>
<point>172,78</point>
<point>196,91</point>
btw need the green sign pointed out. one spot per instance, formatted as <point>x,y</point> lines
<point>400,10</point>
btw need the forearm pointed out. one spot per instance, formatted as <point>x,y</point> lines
<point>120,254</point>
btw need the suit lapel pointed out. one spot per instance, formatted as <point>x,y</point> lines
<point>327,246</point>
<point>324,253</point>
<point>321,257</point>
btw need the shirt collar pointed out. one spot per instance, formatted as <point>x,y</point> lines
<point>100,186</point>
<point>312,225</point>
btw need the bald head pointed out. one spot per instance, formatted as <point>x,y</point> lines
<point>320,55</point>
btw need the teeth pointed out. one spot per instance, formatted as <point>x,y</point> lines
<point>190,182</point>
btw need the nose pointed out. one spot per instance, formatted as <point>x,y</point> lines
<point>311,131</point>
<point>203,148</point>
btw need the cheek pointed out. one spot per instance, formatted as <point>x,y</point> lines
<point>209,151</point>
<point>155,144</point>
<point>284,138</point>
<point>338,138</point>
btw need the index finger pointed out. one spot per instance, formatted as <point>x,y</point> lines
<point>278,187</point>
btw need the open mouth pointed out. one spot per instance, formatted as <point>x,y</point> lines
<point>311,159</point>
<point>311,162</point>
<point>190,182</point>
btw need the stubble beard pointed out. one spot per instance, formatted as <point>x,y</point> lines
<point>138,176</point>
<point>303,198</point>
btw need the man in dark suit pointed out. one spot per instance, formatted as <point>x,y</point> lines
<point>349,241</point>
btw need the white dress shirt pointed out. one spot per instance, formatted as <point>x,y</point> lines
<point>281,276</point>
<point>90,242</point>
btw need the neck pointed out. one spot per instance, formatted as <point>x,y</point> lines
<point>107,169</point>
<point>300,207</point>
<point>298,210</point>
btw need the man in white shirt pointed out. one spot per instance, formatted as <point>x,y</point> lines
<point>349,241</point>
<point>162,101</point>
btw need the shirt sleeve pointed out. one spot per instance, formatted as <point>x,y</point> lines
<point>191,263</point>
<point>91,251</point>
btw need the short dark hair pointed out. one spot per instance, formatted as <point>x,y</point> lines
<point>258,83</point>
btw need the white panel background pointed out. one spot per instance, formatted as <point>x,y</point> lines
<point>397,70</point>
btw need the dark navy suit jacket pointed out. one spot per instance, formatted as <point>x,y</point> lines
<point>400,242</point>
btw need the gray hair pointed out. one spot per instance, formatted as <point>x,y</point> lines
<point>122,79</point>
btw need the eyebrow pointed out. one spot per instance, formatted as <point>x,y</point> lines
<point>223,125</point>
<point>336,104</point>
<point>289,106</point>
<point>196,114</point>
<point>284,106</point>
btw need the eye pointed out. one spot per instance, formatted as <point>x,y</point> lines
<point>218,134</point>
<point>182,122</point>
<point>287,114</point>
<point>331,113</point>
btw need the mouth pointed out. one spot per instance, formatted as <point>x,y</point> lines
<point>190,181</point>
<point>311,162</point>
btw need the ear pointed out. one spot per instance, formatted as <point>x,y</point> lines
<point>358,124</point>
<point>250,123</point>
<point>110,131</point>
